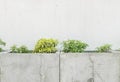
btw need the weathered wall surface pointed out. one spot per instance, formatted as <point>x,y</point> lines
<point>29,68</point>
<point>82,67</point>
<point>90,68</point>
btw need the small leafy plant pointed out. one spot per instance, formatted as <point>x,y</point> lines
<point>21,49</point>
<point>74,46</point>
<point>0,49</point>
<point>104,48</point>
<point>2,43</point>
<point>13,49</point>
<point>46,46</point>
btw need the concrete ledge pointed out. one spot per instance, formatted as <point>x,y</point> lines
<point>68,67</point>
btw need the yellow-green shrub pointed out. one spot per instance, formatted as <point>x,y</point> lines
<point>46,46</point>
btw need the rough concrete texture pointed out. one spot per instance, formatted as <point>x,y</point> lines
<point>29,68</point>
<point>90,68</point>
<point>82,67</point>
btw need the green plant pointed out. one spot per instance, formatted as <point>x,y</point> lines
<point>2,43</point>
<point>104,48</point>
<point>46,46</point>
<point>13,49</point>
<point>0,49</point>
<point>21,49</point>
<point>74,46</point>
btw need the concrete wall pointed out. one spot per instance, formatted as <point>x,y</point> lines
<point>82,67</point>
<point>89,67</point>
<point>29,68</point>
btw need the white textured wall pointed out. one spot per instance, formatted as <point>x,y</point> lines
<point>70,68</point>
<point>93,21</point>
